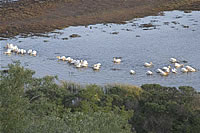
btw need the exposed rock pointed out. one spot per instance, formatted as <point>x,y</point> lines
<point>74,35</point>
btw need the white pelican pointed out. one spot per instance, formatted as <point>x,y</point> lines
<point>34,53</point>
<point>174,70</point>
<point>63,58</point>
<point>96,67</point>
<point>166,69</point>
<point>177,65</point>
<point>146,64</point>
<point>18,51</point>
<point>77,62</point>
<point>9,46</point>
<point>162,73</point>
<point>173,60</point>
<point>30,51</point>
<point>78,65</point>
<point>22,51</point>
<point>116,60</point>
<point>149,73</point>
<point>14,48</point>
<point>8,51</point>
<point>184,70</point>
<point>132,72</point>
<point>73,61</point>
<point>99,64</point>
<point>190,69</point>
<point>158,70</point>
<point>58,57</point>
<point>69,59</point>
<point>84,63</point>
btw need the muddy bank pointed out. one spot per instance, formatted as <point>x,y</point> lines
<point>39,16</point>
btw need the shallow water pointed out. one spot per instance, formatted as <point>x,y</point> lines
<point>176,34</point>
<point>7,1</point>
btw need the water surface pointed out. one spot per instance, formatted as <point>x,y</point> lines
<point>176,34</point>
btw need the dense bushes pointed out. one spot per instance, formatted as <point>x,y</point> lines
<point>29,104</point>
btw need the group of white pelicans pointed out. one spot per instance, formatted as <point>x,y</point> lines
<point>167,69</point>
<point>162,71</point>
<point>83,63</point>
<point>15,49</point>
<point>78,63</point>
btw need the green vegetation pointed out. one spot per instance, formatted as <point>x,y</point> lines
<point>40,105</point>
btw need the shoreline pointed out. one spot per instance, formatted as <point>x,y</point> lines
<point>34,17</point>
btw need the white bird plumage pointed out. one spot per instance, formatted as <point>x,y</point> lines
<point>116,60</point>
<point>8,51</point>
<point>158,70</point>
<point>9,45</point>
<point>149,73</point>
<point>146,64</point>
<point>30,51</point>
<point>34,53</point>
<point>69,59</point>
<point>132,72</point>
<point>78,65</point>
<point>166,69</point>
<point>18,51</point>
<point>184,70</point>
<point>84,63</point>
<point>174,70</point>
<point>96,66</point>
<point>22,51</point>
<point>177,65</point>
<point>173,60</point>
<point>190,69</point>
<point>162,73</point>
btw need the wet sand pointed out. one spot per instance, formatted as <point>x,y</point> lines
<point>39,16</point>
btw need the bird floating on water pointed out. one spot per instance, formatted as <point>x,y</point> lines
<point>162,73</point>
<point>177,65</point>
<point>30,51</point>
<point>190,69</point>
<point>146,64</point>
<point>97,66</point>
<point>116,60</point>
<point>166,69</point>
<point>8,52</point>
<point>184,70</point>
<point>149,73</point>
<point>69,59</point>
<point>22,51</point>
<point>63,58</point>
<point>78,65</point>
<point>173,60</point>
<point>158,70</point>
<point>84,63</point>
<point>132,72</point>
<point>174,70</point>
<point>34,53</point>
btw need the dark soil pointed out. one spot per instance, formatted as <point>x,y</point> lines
<point>40,16</point>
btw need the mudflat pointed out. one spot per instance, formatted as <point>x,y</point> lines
<point>40,16</point>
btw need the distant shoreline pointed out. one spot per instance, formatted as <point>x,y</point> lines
<point>28,16</point>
